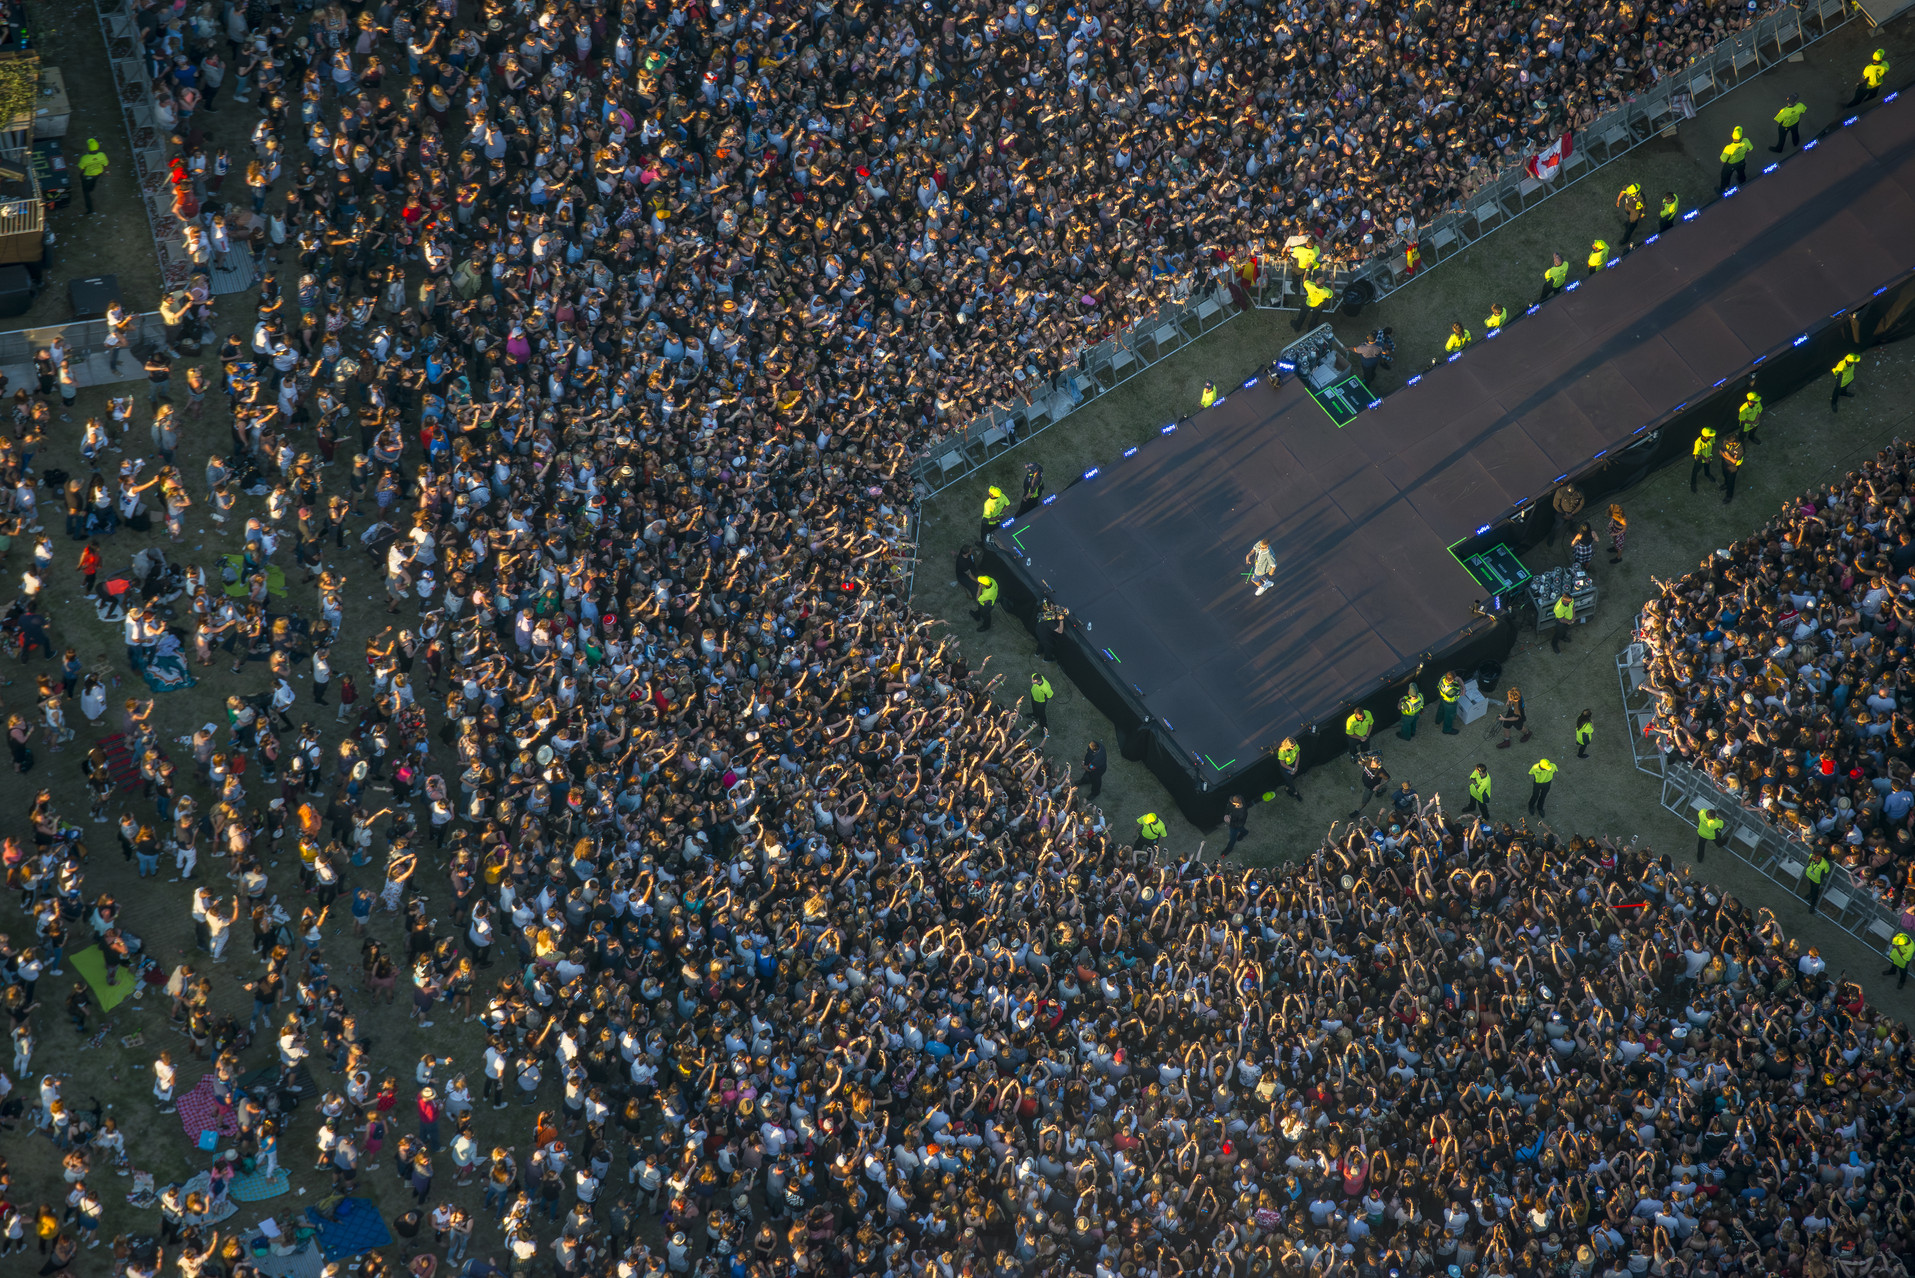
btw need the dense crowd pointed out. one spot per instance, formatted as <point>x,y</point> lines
<point>1782,667</point>
<point>796,956</point>
<point>916,213</point>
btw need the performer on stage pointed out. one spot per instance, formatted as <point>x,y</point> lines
<point>1262,563</point>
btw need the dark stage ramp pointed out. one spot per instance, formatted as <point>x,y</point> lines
<point>1601,384</point>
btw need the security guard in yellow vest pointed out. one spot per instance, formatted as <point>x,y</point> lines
<point>1565,613</point>
<point>1788,123</point>
<point>92,165</point>
<point>1479,787</point>
<point>986,600</point>
<point>1496,318</point>
<point>1816,874</point>
<point>1209,396</point>
<point>1448,690</point>
<point>1750,415</point>
<point>1730,455</point>
<point>1540,777</point>
<point>1598,257</point>
<point>1709,828</point>
<point>1666,211</point>
<point>1315,297</point>
<point>1554,277</point>
<point>1871,82</point>
<point>1410,706</point>
<point>1735,161</point>
<point>1844,371</point>
<point>1306,256</point>
<point>1901,948</point>
<point>1630,204</point>
<point>1290,759</point>
<point>995,504</point>
<point>1459,338</point>
<point>1701,453</point>
<point>1356,731</point>
<point>1041,695</point>
<point>1150,828</point>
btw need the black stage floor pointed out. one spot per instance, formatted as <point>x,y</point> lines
<point>1148,554</point>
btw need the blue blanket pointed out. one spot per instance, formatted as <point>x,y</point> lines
<point>357,1230</point>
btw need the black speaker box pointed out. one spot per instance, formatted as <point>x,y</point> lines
<point>16,290</point>
<point>93,295</point>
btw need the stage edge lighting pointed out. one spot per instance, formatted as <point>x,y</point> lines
<point>1802,340</point>
<point>1252,382</point>
<point>1091,473</point>
<point>1414,380</point>
<point>1691,215</point>
<point>1048,500</point>
<point>1130,452</point>
<point>1166,430</point>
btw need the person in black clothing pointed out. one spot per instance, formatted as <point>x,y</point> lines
<point>966,561</point>
<point>33,634</point>
<point>1050,628</point>
<point>1033,489</point>
<point>1236,819</point>
<point>1095,765</point>
<point>1376,782</point>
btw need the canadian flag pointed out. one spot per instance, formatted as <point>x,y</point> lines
<point>1544,165</point>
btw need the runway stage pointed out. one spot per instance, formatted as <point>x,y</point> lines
<point>1369,521</point>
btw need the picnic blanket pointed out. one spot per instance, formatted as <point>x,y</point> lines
<point>202,1184</point>
<point>303,1262</point>
<point>358,1229</point>
<point>269,1077</point>
<point>168,673</point>
<point>199,1112</point>
<point>119,758</point>
<point>254,1186</point>
<point>275,578</point>
<point>91,964</point>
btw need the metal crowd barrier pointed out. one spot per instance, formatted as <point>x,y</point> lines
<point>1778,857</point>
<point>1098,369</point>
<point>1639,708</point>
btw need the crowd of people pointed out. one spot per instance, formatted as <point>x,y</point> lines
<point>1780,668</point>
<point>991,187</point>
<point>791,955</point>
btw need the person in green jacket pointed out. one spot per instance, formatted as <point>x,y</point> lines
<point>1479,787</point>
<point>1816,875</point>
<point>1411,708</point>
<point>1900,949</point>
<point>1356,731</point>
<point>986,600</point>
<point>1709,828</point>
<point>1788,123</point>
<point>1150,830</point>
<point>1585,731</point>
<point>1041,695</point>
